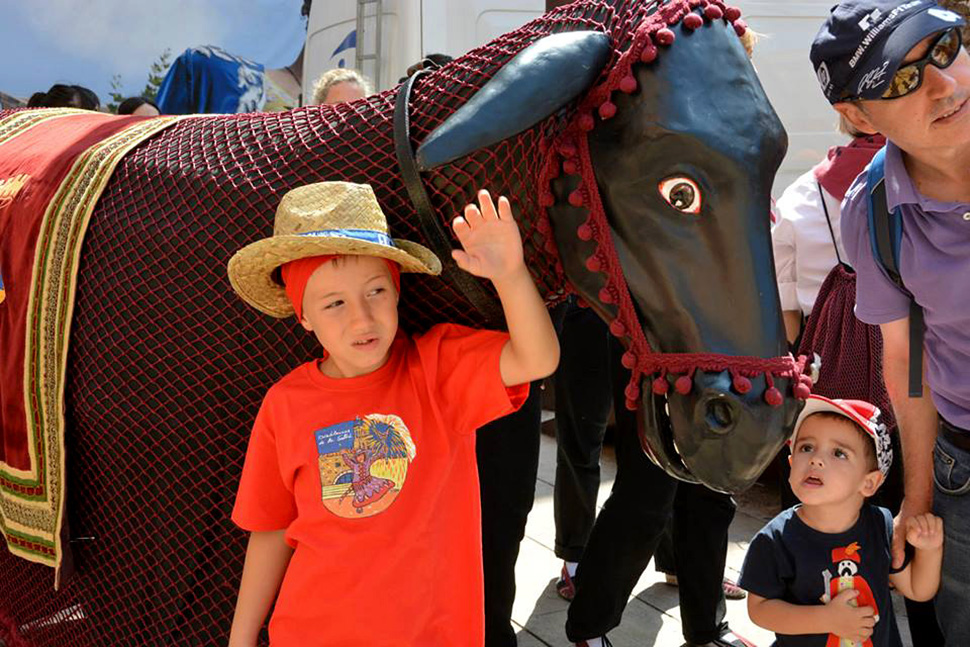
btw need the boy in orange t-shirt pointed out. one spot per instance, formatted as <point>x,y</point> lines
<point>360,486</point>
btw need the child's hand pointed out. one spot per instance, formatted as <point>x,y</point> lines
<point>491,241</point>
<point>847,621</point>
<point>925,531</point>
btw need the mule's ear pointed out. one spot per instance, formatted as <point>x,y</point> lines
<point>542,78</point>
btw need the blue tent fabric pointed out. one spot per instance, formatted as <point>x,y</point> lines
<point>211,80</point>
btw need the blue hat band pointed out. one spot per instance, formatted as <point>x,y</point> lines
<point>363,235</point>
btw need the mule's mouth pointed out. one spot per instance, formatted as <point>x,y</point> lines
<point>712,435</point>
<point>657,436</point>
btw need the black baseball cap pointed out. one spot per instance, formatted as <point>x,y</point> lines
<point>863,43</point>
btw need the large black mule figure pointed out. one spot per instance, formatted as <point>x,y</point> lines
<point>687,199</point>
<point>683,168</point>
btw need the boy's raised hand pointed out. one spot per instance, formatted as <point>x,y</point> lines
<point>492,246</point>
<point>925,531</point>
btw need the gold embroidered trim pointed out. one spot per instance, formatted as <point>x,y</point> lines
<point>20,121</point>
<point>49,313</point>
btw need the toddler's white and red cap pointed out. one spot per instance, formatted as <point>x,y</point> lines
<point>864,414</point>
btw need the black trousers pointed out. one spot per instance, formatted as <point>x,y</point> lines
<point>508,461</point>
<point>614,551</point>
<point>584,398</point>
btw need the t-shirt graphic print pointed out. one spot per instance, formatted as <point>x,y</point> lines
<point>363,464</point>
<point>845,562</point>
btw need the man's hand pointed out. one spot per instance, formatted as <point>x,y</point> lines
<point>925,532</point>
<point>492,245</point>
<point>848,621</point>
<point>907,510</point>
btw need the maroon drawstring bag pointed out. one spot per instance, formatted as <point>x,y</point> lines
<point>851,351</point>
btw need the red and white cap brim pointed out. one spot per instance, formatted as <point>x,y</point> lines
<point>864,414</point>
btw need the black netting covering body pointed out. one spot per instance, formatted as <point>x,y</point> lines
<point>167,367</point>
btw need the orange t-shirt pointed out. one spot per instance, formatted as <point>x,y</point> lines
<point>374,479</point>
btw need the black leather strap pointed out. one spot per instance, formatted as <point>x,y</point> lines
<point>887,254</point>
<point>434,233</point>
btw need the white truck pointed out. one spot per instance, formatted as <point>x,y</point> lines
<point>381,38</point>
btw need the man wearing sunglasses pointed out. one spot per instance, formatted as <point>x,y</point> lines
<point>897,67</point>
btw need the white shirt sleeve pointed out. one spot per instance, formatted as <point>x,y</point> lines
<point>804,253</point>
<point>783,244</point>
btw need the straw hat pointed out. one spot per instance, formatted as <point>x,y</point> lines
<point>316,220</point>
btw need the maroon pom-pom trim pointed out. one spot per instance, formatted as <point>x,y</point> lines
<point>607,110</point>
<point>693,21</point>
<point>666,36</point>
<point>684,384</point>
<point>773,397</point>
<point>632,391</point>
<point>649,54</point>
<point>741,384</point>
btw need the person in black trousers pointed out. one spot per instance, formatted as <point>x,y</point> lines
<point>614,551</point>
<point>508,462</point>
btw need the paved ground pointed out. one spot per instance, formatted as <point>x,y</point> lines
<point>652,616</point>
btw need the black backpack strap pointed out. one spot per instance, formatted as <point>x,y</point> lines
<point>885,230</point>
<point>916,331</point>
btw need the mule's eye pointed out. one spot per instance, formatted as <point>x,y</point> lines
<point>681,193</point>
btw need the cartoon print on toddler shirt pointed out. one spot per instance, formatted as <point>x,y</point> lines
<point>363,464</point>
<point>846,562</point>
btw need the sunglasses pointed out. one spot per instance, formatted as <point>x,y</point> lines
<point>942,53</point>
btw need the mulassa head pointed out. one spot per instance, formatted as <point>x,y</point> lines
<point>683,167</point>
<point>656,185</point>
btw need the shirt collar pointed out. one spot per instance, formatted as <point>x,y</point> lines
<point>900,188</point>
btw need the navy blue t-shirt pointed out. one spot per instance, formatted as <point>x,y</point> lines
<point>787,560</point>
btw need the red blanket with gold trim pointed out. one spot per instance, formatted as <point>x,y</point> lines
<point>53,166</point>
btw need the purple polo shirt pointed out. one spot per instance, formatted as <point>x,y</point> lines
<point>935,267</point>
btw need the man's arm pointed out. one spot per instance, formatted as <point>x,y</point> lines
<point>918,423</point>
<point>793,324</point>
<point>267,557</point>
<point>783,249</point>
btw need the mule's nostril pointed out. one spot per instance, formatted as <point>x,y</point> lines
<point>720,416</point>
